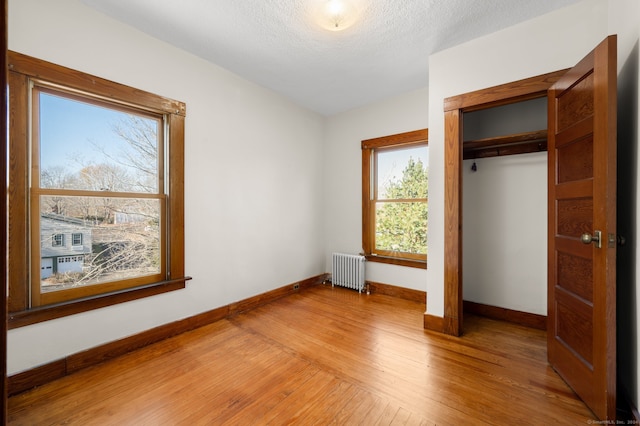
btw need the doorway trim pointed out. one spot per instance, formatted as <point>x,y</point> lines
<point>454,107</point>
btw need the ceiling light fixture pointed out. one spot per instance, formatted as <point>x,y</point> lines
<point>335,12</point>
<point>337,15</point>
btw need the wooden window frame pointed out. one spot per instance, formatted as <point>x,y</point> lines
<point>23,70</point>
<point>369,148</point>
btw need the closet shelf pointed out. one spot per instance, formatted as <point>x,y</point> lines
<point>520,143</point>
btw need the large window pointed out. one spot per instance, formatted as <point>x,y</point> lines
<point>99,165</point>
<point>394,198</point>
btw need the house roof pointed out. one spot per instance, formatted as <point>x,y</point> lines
<point>62,219</point>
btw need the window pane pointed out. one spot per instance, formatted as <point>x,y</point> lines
<point>76,239</point>
<point>57,240</point>
<point>402,173</point>
<point>90,147</point>
<point>120,239</point>
<point>401,227</point>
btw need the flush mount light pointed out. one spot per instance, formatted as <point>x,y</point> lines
<point>336,15</point>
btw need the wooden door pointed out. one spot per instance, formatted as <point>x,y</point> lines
<point>582,204</point>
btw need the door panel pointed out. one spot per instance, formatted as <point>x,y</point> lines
<point>575,216</point>
<point>575,274</point>
<point>582,200</point>
<point>576,104</point>
<point>574,321</point>
<point>575,160</point>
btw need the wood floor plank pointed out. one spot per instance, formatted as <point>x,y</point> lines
<point>291,409</point>
<point>320,356</point>
<point>388,414</point>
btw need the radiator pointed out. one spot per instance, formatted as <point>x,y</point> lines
<point>347,270</point>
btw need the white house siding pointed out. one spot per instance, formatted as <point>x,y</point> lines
<point>68,257</point>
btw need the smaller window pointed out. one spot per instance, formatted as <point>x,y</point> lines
<point>57,240</point>
<point>394,198</point>
<point>76,239</point>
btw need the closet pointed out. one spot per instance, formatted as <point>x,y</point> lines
<point>504,199</point>
<point>458,110</point>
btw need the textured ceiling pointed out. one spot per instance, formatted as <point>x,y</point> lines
<point>281,45</point>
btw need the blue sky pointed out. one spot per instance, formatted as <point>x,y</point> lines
<point>392,163</point>
<point>70,131</point>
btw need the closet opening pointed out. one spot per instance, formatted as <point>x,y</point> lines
<point>504,199</point>
<point>487,143</point>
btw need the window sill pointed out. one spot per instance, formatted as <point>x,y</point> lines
<point>59,310</point>
<point>421,264</point>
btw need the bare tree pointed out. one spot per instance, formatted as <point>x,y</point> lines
<point>56,177</point>
<point>141,153</point>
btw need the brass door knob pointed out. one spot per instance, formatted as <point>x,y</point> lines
<point>587,238</point>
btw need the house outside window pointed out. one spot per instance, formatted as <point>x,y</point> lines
<point>91,153</point>
<point>395,198</point>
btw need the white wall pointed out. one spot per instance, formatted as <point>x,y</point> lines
<point>624,20</point>
<point>253,182</point>
<point>505,232</point>
<point>548,43</point>
<point>343,178</point>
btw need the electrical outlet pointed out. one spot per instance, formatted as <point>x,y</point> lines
<point>296,286</point>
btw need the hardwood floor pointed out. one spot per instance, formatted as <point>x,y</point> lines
<point>321,356</point>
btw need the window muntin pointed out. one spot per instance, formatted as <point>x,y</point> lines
<point>395,198</point>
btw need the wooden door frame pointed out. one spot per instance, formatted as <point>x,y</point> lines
<point>3,214</point>
<point>454,107</point>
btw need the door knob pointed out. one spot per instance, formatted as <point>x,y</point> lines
<point>587,238</point>
<point>615,239</point>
